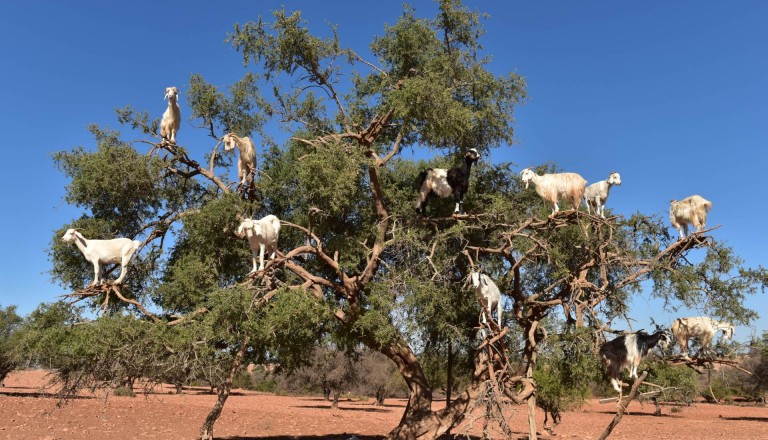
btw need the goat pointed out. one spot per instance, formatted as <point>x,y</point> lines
<point>246,164</point>
<point>171,122</point>
<point>262,234</point>
<point>596,195</point>
<point>552,187</point>
<point>627,351</point>
<point>702,329</point>
<point>444,183</point>
<point>691,210</point>
<point>488,294</point>
<point>98,252</point>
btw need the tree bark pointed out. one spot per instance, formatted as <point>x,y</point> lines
<point>419,421</point>
<point>206,431</point>
<point>623,407</point>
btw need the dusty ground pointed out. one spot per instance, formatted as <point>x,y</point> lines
<point>28,412</point>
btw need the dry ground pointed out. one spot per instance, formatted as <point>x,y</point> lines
<point>27,411</point>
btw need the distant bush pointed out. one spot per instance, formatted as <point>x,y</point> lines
<point>123,392</point>
<point>679,377</point>
<point>244,381</point>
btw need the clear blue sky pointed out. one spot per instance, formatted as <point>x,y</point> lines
<point>673,95</point>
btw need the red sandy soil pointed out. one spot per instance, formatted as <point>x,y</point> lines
<point>29,411</point>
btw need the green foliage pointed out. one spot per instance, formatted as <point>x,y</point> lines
<point>566,369</point>
<point>679,377</point>
<point>123,391</point>
<point>10,324</point>
<point>116,183</point>
<point>234,114</point>
<point>243,381</point>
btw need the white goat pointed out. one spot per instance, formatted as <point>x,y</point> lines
<point>596,195</point>
<point>552,187</point>
<point>98,252</point>
<point>262,234</point>
<point>691,210</point>
<point>489,296</point>
<point>171,122</point>
<point>246,164</point>
<point>700,328</point>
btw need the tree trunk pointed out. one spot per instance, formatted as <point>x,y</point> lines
<point>379,398</point>
<point>419,421</point>
<point>336,395</point>
<point>206,431</point>
<point>326,393</point>
<point>530,354</point>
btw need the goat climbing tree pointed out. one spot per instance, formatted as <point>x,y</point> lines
<point>355,260</point>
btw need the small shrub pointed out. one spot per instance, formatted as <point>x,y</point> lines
<point>266,386</point>
<point>676,409</point>
<point>123,391</point>
<point>243,381</point>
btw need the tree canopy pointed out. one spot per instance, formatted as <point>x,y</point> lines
<point>355,263</point>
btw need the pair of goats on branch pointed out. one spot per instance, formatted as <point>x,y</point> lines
<point>572,188</point>
<point>171,123</point>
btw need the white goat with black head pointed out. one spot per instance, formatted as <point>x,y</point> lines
<point>691,210</point>
<point>445,183</point>
<point>246,164</point>
<point>489,296</point>
<point>171,121</point>
<point>262,235</point>
<point>596,195</point>
<point>553,187</point>
<point>700,328</point>
<point>98,252</point>
<point>627,351</point>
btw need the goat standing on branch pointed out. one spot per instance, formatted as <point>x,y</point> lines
<point>627,351</point>
<point>702,329</point>
<point>262,235</point>
<point>552,187</point>
<point>98,252</point>
<point>596,194</point>
<point>691,210</point>
<point>489,296</point>
<point>171,122</point>
<point>246,164</point>
<point>444,183</point>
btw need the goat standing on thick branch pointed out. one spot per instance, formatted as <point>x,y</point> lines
<point>246,164</point>
<point>596,195</point>
<point>98,252</point>
<point>552,187</point>
<point>700,328</point>
<point>627,351</point>
<point>489,296</point>
<point>262,235</point>
<point>691,210</point>
<point>171,122</point>
<point>444,183</point>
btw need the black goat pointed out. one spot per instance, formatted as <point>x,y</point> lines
<point>627,351</point>
<point>444,183</point>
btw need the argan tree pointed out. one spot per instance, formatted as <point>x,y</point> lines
<point>355,260</point>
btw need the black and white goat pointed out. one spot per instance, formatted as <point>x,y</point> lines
<point>627,351</point>
<point>444,183</point>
